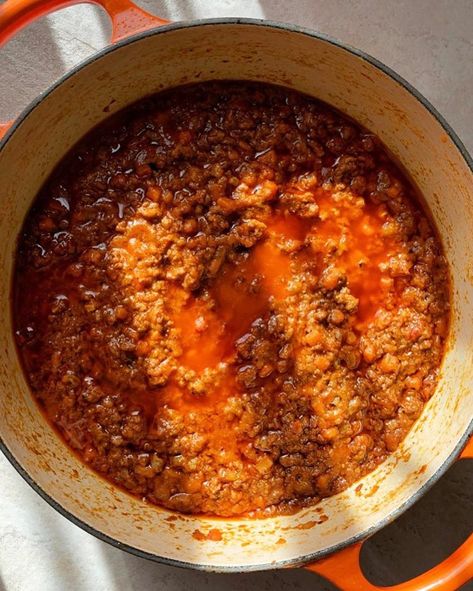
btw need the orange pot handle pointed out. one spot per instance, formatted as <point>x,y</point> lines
<point>127,19</point>
<point>343,568</point>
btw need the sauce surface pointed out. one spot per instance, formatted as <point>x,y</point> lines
<point>228,300</point>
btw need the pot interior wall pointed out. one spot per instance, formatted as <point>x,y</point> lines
<point>244,51</point>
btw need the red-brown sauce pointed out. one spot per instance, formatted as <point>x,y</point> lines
<point>228,300</point>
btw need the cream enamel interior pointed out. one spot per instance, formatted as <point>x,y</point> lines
<point>359,89</point>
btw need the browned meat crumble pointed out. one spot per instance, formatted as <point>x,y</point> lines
<point>228,300</point>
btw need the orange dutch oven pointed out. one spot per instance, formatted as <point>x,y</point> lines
<point>146,55</point>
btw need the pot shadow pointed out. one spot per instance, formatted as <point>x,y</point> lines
<point>426,533</point>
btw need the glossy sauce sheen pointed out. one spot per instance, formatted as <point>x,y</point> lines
<point>228,300</point>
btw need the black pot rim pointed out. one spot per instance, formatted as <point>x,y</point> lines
<point>307,558</point>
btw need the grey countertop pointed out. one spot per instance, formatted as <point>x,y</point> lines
<point>430,43</point>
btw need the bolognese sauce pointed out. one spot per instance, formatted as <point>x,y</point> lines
<point>229,301</point>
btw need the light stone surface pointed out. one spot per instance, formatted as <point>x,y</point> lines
<point>428,42</point>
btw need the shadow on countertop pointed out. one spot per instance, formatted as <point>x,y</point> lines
<point>426,534</point>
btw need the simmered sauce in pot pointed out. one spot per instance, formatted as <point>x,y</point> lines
<point>229,301</point>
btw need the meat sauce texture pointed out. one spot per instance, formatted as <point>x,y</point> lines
<point>228,300</point>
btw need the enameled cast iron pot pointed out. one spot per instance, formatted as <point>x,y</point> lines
<point>148,55</point>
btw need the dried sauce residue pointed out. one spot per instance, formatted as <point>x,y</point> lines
<point>213,535</point>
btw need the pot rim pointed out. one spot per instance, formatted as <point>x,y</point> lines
<point>306,558</point>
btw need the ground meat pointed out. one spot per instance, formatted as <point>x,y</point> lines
<point>228,300</point>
